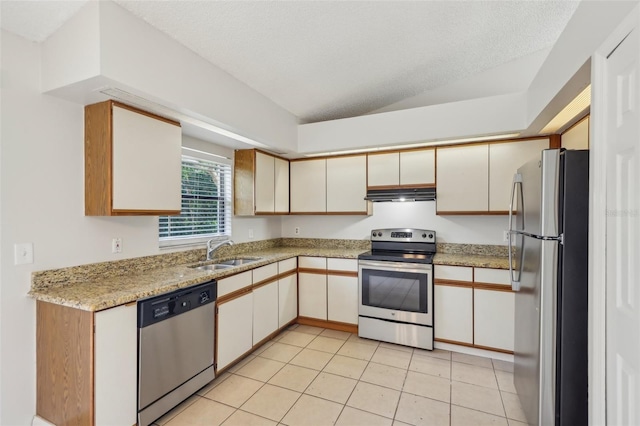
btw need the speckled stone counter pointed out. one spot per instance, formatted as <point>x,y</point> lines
<point>103,285</point>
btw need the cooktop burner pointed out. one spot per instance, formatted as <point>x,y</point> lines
<point>409,245</point>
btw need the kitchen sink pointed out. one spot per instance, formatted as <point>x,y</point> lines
<point>226,264</point>
<point>212,267</point>
<point>238,261</point>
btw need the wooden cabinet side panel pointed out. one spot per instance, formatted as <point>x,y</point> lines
<point>243,189</point>
<point>64,364</point>
<point>97,159</point>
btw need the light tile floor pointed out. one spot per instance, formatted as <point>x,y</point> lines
<point>312,376</point>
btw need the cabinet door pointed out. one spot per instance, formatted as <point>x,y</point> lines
<point>115,364</point>
<point>463,179</point>
<point>264,183</point>
<point>312,300</point>
<point>265,311</point>
<point>347,184</point>
<point>308,186</point>
<point>494,318</point>
<point>287,299</point>
<point>418,167</point>
<point>504,160</point>
<point>383,169</point>
<point>281,193</point>
<point>453,309</point>
<point>147,163</point>
<point>235,329</point>
<point>342,299</point>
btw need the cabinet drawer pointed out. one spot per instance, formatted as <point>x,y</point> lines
<point>492,276</point>
<point>263,273</point>
<point>234,283</point>
<point>334,264</point>
<point>454,273</point>
<point>312,262</point>
<point>287,265</point>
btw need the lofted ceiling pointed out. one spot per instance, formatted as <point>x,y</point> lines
<point>324,60</point>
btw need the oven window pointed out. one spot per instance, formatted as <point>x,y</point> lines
<point>401,291</point>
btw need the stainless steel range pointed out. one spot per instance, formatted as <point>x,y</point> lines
<point>395,286</point>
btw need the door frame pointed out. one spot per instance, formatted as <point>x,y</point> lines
<point>598,221</point>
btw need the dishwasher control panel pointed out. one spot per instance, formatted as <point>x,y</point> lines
<point>165,306</point>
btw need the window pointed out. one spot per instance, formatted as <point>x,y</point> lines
<point>206,204</point>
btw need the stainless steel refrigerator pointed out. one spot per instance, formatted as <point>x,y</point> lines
<point>548,253</point>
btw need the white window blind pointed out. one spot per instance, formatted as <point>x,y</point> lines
<point>206,202</point>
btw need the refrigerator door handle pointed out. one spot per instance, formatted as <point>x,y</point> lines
<point>515,283</point>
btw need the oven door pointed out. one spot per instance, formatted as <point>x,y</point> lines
<point>396,291</point>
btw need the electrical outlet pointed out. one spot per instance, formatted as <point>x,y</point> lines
<point>116,245</point>
<point>23,253</point>
<point>297,231</point>
<point>505,236</point>
<point>250,234</point>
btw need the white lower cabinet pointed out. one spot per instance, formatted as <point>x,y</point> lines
<point>265,311</point>
<point>115,365</point>
<point>312,301</point>
<point>493,318</point>
<point>342,299</point>
<point>235,329</point>
<point>453,313</point>
<point>287,299</point>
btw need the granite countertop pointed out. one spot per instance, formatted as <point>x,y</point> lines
<point>478,261</point>
<point>107,292</point>
<point>104,285</point>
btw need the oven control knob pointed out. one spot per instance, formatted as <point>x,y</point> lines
<point>430,235</point>
<point>379,234</point>
<point>424,235</point>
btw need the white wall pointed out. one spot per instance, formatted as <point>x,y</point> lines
<point>449,229</point>
<point>42,190</point>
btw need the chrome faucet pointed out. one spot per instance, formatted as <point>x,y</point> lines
<point>212,247</point>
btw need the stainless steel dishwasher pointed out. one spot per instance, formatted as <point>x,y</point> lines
<point>175,348</point>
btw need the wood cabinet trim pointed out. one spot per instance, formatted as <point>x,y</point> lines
<point>312,271</point>
<point>234,295</point>
<point>332,325</point>
<point>98,159</point>
<point>492,287</point>
<point>342,273</point>
<point>453,283</point>
<point>362,213</point>
<point>144,212</point>
<point>454,342</point>
<point>263,283</point>
<point>555,141</point>
<point>471,213</point>
<point>142,112</point>
<point>287,274</point>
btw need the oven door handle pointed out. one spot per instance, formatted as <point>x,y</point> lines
<point>390,266</point>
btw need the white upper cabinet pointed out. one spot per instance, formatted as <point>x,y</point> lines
<point>261,183</point>
<point>476,179</point>
<point>309,186</point>
<point>418,168</point>
<point>347,184</point>
<point>462,179</point>
<point>133,162</point>
<point>383,169</point>
<point>504,160</point>
<point>265,183</point>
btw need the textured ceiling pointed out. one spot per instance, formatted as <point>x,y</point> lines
<point>323,60</point>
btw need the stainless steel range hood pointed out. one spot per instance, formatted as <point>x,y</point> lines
<point>401,194</point>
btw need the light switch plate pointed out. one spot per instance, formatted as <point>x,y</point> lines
<point>23,253</point>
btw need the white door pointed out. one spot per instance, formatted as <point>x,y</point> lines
<point>618,153</point>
